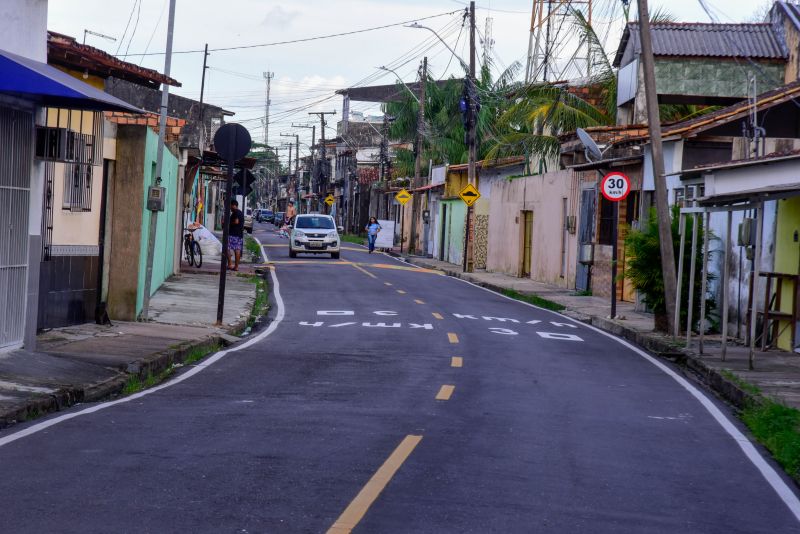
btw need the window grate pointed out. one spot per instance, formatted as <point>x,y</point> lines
<point>77,187</point>
<point>47,219</point>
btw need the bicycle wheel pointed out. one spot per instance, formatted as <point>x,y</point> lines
<point>187,248</point>
<point>198,254</point>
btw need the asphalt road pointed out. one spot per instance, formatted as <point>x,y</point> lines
<point>393,399</point>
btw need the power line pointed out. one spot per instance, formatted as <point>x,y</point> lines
<point>135,26</point>
<point>306,39</point>
<point>130,18</point>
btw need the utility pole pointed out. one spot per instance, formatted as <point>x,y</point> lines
<point>662,203</point>
<point>296,159</point>
<point>423,77</point>
<point>202,92</point>
<point>268,77</point>
<point>311,170</point>
<point>323,152</point>
<point>471,136</point>
<point>162,127</point>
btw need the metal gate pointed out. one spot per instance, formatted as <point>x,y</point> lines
<point>16,160</point>
<point>585,236</point>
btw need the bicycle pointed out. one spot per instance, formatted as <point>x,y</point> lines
<point>194,254</point>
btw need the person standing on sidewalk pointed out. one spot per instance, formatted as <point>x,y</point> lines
<point>372,228</point>
<point>235,236</point>
<point>291,212</point>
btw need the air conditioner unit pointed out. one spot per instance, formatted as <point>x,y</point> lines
<point>59,144</point>
<point>586,254</point>
<point>747,232</point>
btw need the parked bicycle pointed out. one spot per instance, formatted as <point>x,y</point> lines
<point>194,255</point>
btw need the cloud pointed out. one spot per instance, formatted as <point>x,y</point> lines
<point>278,17</point>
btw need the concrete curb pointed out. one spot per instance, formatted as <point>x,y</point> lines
<point>656,344</point>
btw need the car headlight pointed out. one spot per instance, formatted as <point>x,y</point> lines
<point>298,233</point>
<point>333,234</point>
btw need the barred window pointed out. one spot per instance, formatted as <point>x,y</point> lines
<point>77,187</point>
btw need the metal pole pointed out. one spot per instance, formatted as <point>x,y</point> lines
<point>704,281</point>
<point>677,310</point>
<point>692,272</point>
<point>756,274</point>
<point>471,137</point>
<point>614,238</point>
<point>402,226</point>
<point>662,202</point>
<point>726,274</point>
<point>412,247</point>
<point>226,228</point>
<point>162,127</point>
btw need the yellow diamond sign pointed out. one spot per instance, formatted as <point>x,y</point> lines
<point>469,195</point>
<point>402,196</point>
<point>329,200</point>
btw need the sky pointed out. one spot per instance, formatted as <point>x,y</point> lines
<point>306,74</point>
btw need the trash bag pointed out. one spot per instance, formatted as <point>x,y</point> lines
<point>209,244</point>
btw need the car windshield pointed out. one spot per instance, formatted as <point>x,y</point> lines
<point>314,222</point>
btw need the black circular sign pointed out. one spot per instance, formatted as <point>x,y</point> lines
<point>232,142</point>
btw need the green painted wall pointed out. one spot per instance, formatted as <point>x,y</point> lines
<point>165,229</point>
<point>454,227</point>
<point>708,77</point>
<point>787,257</point>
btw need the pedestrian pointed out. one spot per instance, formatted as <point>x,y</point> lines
<point>372,228</point>
<point>290,212</point>
<point>235,236</point>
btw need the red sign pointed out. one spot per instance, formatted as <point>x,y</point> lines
<point>615,186</point>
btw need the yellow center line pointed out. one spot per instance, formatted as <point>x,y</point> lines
<point>419,301</point>
<point>445,392</point>
<point>353,514</point>
<point>456,361</point>
<point>363,270</point>
<point>437,315</point>
<point>401,291</point>
<point>452,337</point>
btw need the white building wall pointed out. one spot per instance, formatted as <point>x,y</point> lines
<point>23,28</point>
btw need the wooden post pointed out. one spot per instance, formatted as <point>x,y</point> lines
<point>726,275</point>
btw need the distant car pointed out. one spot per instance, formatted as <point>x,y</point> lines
<point>277,220</point>
<point>248,220</point>
<point>314,234</point>
<point>264,215</point>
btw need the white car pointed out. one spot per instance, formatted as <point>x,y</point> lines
<point>314,234</point>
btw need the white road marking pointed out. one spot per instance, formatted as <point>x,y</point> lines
<point>767,471</point>
<point>201,366</point>
<point>562,337</point>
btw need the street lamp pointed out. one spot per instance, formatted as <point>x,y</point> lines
<point>387,69</point>
<point>417,25</point>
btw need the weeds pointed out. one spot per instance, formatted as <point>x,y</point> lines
<point>743,384</point>
<point>261,302</point>
<point>534,299</point>
<point>777,427</point>
<point>253,247</point>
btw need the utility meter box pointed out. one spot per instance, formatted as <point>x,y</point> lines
<point>155,198</point>
<point>747,232</point>
<point>426,216</point>
<point>586,253</point>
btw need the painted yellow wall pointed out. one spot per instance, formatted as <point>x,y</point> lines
<point>787,257</point>
<point>94,81</point>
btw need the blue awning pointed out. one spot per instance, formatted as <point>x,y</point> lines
<point>47,86</point>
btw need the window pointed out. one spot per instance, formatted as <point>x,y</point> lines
<point>324,223</point>
<point>605,230</point>
<point>77,187</point>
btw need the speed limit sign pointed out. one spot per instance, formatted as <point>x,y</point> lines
<point>615,186</point>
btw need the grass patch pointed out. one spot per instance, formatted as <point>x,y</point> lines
<point>743,384</point>
<point>252,247</point>
<point>583,293</point>
<point>198,353</point>
<point>133,385</point>
<point>353,238</point>
<point>261,302</point>
<point>776,426</point>
<point>535,300</point>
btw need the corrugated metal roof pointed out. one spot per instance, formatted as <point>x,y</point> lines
<point>756,41</point>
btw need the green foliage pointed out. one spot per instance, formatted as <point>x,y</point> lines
<point>253,247</point>
<point>742,384</point>
<point>778,428</point>
<point>643,265</point>
<point>352,238</point>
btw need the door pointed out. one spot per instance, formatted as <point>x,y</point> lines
<point>442,240</point>
<point>585,236</point>
<point>16,157</point>
<point>527,243</point>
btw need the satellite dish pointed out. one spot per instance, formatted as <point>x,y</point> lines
<point>592,150</point>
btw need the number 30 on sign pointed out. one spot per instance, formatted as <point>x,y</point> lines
<point>615,186</point>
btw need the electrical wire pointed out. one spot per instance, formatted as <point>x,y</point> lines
<point>135,26</point>
<point>155,29</point>
<point>130,18</point>
<point>302,40</point>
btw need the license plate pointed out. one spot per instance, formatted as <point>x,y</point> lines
<point>314,244</point>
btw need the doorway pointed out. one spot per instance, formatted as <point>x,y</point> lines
<point>442,241</point>
<point>527,243</point>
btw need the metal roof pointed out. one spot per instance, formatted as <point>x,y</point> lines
<point>696,39</point>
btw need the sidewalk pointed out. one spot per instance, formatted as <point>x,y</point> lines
<point>89,362</point>
<point>776,373</point>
